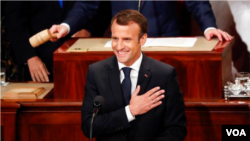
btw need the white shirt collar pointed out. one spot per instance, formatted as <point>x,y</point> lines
<point>135,66</point>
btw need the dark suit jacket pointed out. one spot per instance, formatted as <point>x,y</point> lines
<point>161,15</point>
<point>24,19</point>
<point>164,123</point>
<point>2,4</point>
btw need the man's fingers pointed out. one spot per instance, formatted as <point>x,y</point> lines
<point>229,36</point>
<point>37,77</point>
<point>40,74</point>
<point>208,36</point>
<point>33,76</point>
<point>157,99</point>
<point>60,30</point>
<point>46,69</point>
<point>223,34</point>
<point>38,70</point>
<point>218,35</point>
<point>151,91</point>
<point>44,73</point>
<point>155,104</point>
<point>42,78</point>
<point>156,94</point>
<point>53,29</point>
<point>142,104</point>
<point>59,34</point>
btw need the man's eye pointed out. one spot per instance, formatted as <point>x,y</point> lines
<point>114,39</point>
<point>127,39</point>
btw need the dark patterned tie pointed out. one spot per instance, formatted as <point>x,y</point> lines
<point>126,84</point>
<point>61,3</point>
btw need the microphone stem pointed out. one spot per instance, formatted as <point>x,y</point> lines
<point>91,123</point>
<point>139,5</point>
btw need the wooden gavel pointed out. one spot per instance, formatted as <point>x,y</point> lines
<point>41,37</point>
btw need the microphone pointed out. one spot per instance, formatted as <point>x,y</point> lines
<point>97,103</point>
<point>139,6</point>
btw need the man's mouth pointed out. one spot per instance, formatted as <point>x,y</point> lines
<point>122,52</point>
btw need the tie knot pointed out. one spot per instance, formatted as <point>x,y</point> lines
<point>126,71</point>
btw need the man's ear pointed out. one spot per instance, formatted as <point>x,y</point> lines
<point>143,39</point>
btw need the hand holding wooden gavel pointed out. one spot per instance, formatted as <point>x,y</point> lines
<point>41,37</point>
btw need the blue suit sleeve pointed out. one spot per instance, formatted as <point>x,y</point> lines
<point>81,14</point>
<point>202,13</point>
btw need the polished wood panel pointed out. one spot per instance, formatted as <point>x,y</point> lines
<point>60,119</point>
<point>8,120</point>
<point>50,120</point>
<point>205,119</point>
<point>203,133</point>
<point>58,116</point>
<point>201,74</point>
<point>2,133</point>
<point>56,133</point>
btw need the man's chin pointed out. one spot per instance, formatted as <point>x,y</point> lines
<point>121,60</point>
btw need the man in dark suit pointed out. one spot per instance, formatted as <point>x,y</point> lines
<point>24,19</point>
<point>143,99</point>
<point>161,16</point>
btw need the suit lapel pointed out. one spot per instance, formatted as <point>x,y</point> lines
<point>144,75</point>
<point>114,80</point>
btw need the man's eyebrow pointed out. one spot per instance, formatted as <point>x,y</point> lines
<point>126,38</point>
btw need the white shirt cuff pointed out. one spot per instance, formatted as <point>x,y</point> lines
<point>129,115</point>
<point>208,29</point>
<point>66,26</point>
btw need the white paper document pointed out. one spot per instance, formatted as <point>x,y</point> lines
<point>166,42</point>
<point>107,44</point>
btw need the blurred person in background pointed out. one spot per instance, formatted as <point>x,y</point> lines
<point>24,19</point>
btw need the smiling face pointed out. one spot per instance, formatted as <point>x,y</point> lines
<point>126,43</point>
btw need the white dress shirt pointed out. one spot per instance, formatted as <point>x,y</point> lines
<point>133,77</point>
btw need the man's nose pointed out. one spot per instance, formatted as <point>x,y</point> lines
<point>120,45</point>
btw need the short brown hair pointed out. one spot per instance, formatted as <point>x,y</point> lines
<point>126,16</point>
